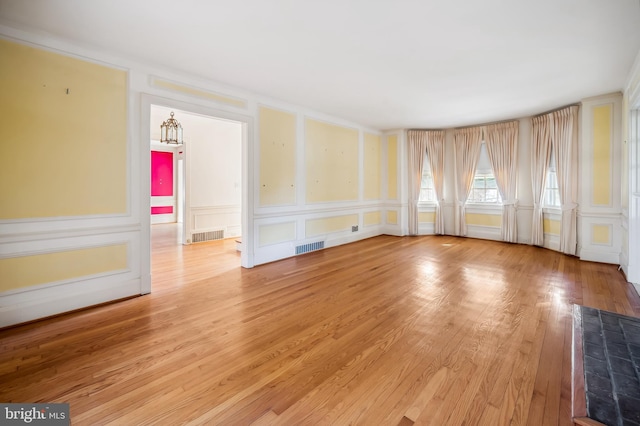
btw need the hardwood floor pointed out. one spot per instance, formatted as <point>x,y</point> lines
<point>386,331</point>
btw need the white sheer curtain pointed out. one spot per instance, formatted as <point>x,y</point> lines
<point>435,155</point>
<point>467,143</point>
<point>417,148</point>
<point>502,146</point>
<point>540,155</point>
<point>565,146</point>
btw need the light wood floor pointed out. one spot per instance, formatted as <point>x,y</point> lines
<point>386,331</point>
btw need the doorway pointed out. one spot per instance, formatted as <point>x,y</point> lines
<point>209,172</point>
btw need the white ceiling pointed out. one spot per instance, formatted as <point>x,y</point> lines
<point>381,63</point>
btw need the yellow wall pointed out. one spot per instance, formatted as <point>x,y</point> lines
<point>550,226</point>
<point>600,234</point>
<point>330,224</point>
<point>483,219</point>
<point>372,218</point>
<point>392,167</point>
<point>20,272</point>
<point>65,154</point>
<point>392,217</point>
<point>602,154</point>
<point>206,94</point>
<point>427,217</point>
<point>277,233</point>
<point>372,167</point>
<point>277,157</point>
<point>331,164</point>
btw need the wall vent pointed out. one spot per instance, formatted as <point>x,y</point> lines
<point>305,248</point>
<point>199,237</point>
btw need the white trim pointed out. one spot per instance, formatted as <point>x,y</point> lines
<point>147,100</point>
<point>81,232</point>
<point>484,232</point>
<point>552,242</point>
<point>16,309</point>
<point>598,256</point>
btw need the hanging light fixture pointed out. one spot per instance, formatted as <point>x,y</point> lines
<point>171,131</point>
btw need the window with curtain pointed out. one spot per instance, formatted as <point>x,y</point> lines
<point>427,193</point>
<point>484,189</point>
<point>551,189</point>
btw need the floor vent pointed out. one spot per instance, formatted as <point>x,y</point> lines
<point>199,237</point>
<point>305,248</point>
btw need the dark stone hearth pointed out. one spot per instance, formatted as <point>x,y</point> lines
<point>611,346</point>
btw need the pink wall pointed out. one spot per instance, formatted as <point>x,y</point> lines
<point>162,210</point>
<point>161,174</point>
<point>161,178</point>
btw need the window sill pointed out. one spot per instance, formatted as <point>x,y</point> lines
<point>427,204</point>
<point>552,210</point>
<point>484,206</point>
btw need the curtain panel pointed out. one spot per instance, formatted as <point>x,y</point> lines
<point>435,156</point>
<point>502,146</point>
<point>417,140</point>
<point>540,156</point>
<point>466,143</point>
<point>564,140</point>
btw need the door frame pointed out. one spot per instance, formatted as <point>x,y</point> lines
<point>246,255</point>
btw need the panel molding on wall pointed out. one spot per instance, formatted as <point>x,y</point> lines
<point>331,226</point>
<point>214,218</point>
<point>331,162</point>
<point>602,153</point>
<point>372,180</point>
<point>276,233</point>
<point>108,280</point>
<point>277,147</point>
<point>209,95</point>
<point>76,241</point>
<point>601,179</point>
<point>61,101</point>
<point>392,167</point>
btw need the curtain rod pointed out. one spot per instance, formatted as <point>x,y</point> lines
<point>471,125</point>
<point>556,109</point>
<point>505,121</point>
<point>486,124</point>
<point>428,130</point>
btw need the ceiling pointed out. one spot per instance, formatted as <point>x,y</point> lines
<point>380,63</point>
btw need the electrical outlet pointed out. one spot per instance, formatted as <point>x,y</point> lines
<point>354,228</point>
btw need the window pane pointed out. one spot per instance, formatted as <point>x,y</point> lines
<point>478,182</point>
<point>552,193</point>
<point>492,196</point>
<point>491,182</point>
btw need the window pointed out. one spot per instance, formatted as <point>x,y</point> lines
<point>551,190</point>
<point>484,189</point>
<point>426,184</point>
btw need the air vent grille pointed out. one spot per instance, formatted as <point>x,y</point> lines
<point>305,248</point>
<point>199,237</point>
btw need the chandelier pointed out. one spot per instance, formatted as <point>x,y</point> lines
<point>171,131</point>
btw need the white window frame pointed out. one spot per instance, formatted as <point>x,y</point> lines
<point>427,178</point>
<point>484,176</point>
<point>484,170</point>
<point>549,179</point>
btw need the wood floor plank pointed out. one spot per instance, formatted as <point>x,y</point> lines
<point>420,330</point>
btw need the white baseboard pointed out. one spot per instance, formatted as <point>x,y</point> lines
<point>552,242</point>
<point>45,302</point>
<point>484,232</point>
<point>599,256</point>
